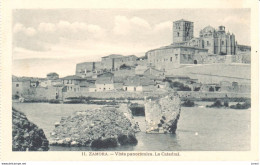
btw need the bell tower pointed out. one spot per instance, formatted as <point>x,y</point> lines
<point>182,31</point>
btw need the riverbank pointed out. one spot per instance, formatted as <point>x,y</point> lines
<point>217,129</point>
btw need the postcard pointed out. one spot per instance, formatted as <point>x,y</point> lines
<point>129,80</point>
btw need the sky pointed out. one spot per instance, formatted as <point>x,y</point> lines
<point>55,40</point>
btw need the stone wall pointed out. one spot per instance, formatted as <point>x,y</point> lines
<point>158,93</point>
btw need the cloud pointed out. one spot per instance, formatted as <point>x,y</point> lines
<point>163,26</point>
<point>138,30</point>
<point>135,25</point>
<point>234,20</point>
<point>42,36</point>
<point>47,27</point>
<point>19,28</point>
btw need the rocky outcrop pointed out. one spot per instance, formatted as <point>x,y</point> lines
<point>162,114</point>
<point>26,135</point>
<point>101,128</point>
<point>124,108</point>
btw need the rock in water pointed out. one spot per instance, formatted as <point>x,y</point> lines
<point>100,128</point>
<point>124,108</point>
<point>26,135</point>
<point>162,114</point>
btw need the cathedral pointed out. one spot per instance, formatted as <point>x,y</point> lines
<point>217,41</point>
<point>212,46</point>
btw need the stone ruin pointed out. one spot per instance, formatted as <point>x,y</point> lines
<point>162,114</point>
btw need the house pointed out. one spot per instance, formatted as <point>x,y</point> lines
<point>92,87</point>
<point>138,84</point>
<point>56,91</point>
<point>72,83</point>
<point>118,83</point>
<point>104,84</point>
<point>20,86</point>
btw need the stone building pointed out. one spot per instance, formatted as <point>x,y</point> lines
<point>88,69</point>
<point>20,87</point>
<point>105,82</point>
<point>72,83</point>
<point>182,31</point>
<point>171,56</point>
<point>139,84</point>
<point>187,49</point>
<point>217,41</point>
<point>114,61</point>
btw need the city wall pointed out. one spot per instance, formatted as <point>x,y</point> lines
<point>142,95</point>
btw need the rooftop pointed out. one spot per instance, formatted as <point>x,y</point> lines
<point>177,46</point>
<point>72,77</point>
<point>113,56</point>
<point>182,20</point>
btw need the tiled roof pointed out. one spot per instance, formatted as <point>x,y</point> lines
<point>138,81</point>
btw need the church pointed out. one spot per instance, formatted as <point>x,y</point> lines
<point>212,46</point>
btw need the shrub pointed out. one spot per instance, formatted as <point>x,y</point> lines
<point>54,101</point>
<point>180,86</point>
<point>245,105</point>
<point>216,104</point>
<point>188,103</point>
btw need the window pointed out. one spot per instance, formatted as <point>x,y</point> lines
<point>222,42</point>
<point>171,59</point>
<point>17,85</point>
<point>207,43</point>
<point>176,56</point>
<point>178,34</point>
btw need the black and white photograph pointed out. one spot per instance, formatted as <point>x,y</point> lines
<point>131,80</point>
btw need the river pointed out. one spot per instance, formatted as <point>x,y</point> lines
<point>199,128</point>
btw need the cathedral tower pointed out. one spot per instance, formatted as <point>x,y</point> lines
<point>182,31</point>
